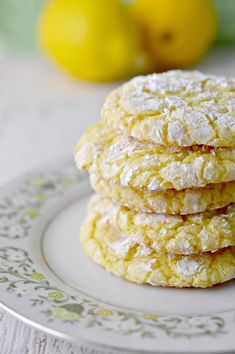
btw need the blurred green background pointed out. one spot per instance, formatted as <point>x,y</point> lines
<point>226,12</point>
<point>18,19</point>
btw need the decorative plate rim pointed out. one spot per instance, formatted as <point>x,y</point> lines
<point>65,336</point>
<point>19,211</point>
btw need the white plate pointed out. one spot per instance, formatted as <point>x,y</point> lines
<point>46,280</point>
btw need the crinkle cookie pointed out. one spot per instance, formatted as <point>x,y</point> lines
<point>176,108</point>
<point>162,233</point>
<point>186,201</point>
<point>129,162</point>
<point>140,265</point>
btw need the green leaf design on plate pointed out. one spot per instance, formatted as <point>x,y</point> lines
<point>20,276</point>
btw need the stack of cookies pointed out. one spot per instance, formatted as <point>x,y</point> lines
<point>162,161</point>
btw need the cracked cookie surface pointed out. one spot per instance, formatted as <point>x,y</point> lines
<point>186,201</point>
<point>140,266</point>
<point>176,108</point>
<point>172,234</point>
<point>129,162</point>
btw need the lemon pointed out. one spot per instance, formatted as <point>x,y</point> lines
<point>176,32</point>
<point>92,40</point>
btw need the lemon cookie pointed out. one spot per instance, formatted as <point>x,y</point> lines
<point>188,234</point>
<point>141,265</point>
<point>129,162</point>
<point>186,201</point>
<point>176,108</point>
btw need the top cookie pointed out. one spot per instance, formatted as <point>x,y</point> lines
<point>176,108</point>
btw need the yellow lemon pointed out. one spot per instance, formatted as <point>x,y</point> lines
<point>93,40</point>
<point>176,32</point>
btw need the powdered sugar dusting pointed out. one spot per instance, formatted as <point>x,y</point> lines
<point>123,245</point>
<point>141,103</point>
<point>151,219</point>
<point>188,266</point>
<point>195,108</point>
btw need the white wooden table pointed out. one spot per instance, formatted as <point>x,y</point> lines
<point>42,114</point>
